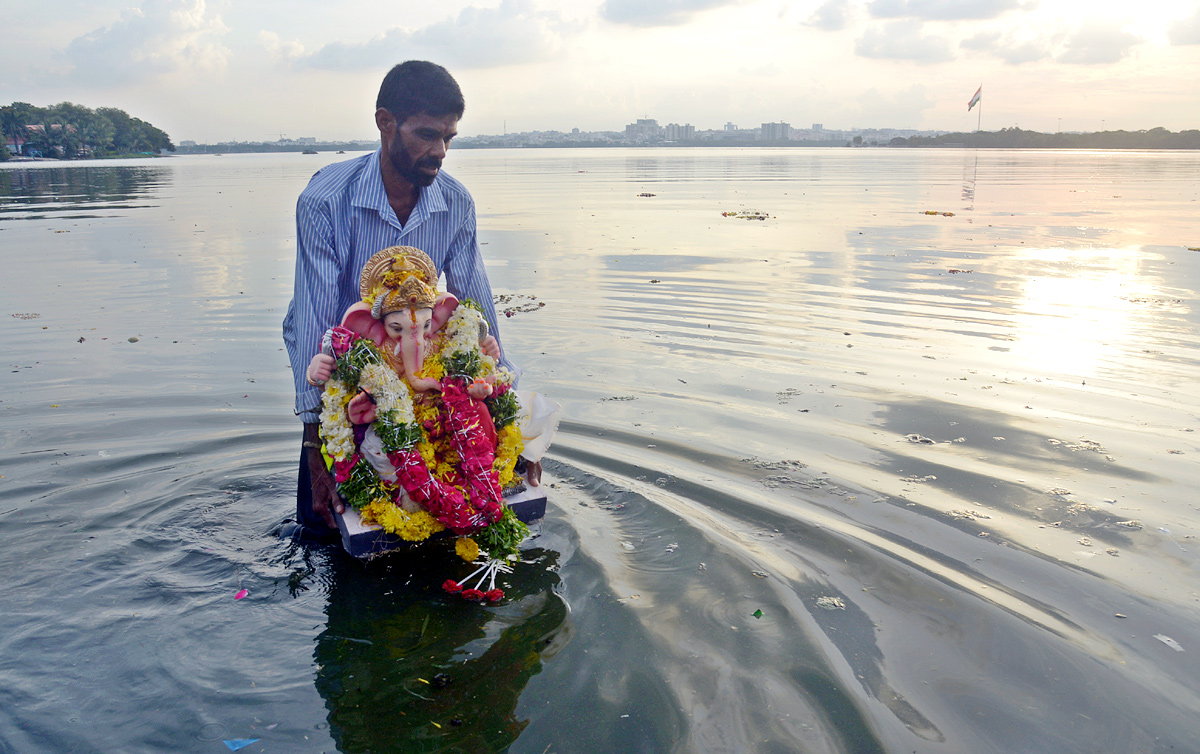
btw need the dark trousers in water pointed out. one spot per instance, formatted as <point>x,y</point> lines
<point>313,527</point>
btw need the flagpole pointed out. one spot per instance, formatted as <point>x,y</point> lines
<point>979,115</point>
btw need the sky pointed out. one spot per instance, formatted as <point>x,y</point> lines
<point>256,70</point>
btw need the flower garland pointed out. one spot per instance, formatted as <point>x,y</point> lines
<point>450,456</point>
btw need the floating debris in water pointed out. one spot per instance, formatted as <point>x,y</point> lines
<point>757,613</point>
<point>1169,642</point>
<point>619,398</point>
<point>785,465</point>
<point>239,743</point>
<point>759,574</point>
<point>1083,444</point>
<point>1114,552</point>
<point>955,272</point>
<point>645,194</point>
<point>935,212</point>
<point>241,595</point>
<point>1059,491</point>
<point>1085,541</point>
<point>787,394</point>
<point>133,339</point>
<point>27,315</point>
<point>967,515</point>
<point>672,547</point>
<point>920,439</point>
<point>747,214</point>
<point>914,479</point>
<point>1132,523</point>
<point>831,603</point>
<point>655,280</point>
<point>520,303</point>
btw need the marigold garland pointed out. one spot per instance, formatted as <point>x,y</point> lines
<point>437,444</point>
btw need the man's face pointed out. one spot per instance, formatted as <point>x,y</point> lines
<point>418,146</point>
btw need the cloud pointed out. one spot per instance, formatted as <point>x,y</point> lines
<point>1185,31</point>
<point>941,10</point>
<point>903,109</point>
<point>656,12</point>
<point>477,38</point>
<point>1011,51</point>
<point>1096,44</point>
<point>277,48</point>
<point>160,37</point>
<point>832,16</point>
<point>902,40</point>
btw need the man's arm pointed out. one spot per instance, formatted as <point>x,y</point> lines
<point>314,306</point>
<point>312,311</point>
<point>325,498</point>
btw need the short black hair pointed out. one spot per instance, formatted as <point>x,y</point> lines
<point>418,86</point>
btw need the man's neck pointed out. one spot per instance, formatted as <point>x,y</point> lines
<point>401,195</point>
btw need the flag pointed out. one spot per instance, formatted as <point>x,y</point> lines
<point>975,100</point>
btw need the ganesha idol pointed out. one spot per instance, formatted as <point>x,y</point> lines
<point>421,426</point>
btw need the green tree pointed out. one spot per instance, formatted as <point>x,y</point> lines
<point>13,121</point>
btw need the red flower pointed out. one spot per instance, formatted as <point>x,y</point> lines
<point>474,595</point>
<point>342,338</point>
<point>342,469</point>
<point>452,586</point>
<point>494,595</point>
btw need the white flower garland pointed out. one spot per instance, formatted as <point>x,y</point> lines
<point>391,395</point>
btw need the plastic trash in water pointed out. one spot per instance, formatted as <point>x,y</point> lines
<point>1169,642</point>
<point>239,743</point>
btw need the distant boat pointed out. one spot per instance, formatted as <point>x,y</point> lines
<point>309,151</point>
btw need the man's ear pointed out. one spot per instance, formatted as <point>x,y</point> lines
<point>385,121</point>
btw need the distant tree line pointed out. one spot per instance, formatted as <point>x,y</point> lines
<point>1015,138</point>
<point>69,131</point>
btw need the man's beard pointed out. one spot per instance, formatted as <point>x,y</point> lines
<point>411,171</point>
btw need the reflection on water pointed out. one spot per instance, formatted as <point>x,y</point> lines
<point>400,661</point>
<point>77,192</point>
<point>851,478</point>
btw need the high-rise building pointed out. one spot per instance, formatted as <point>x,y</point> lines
<point>646,129</point>
<point>676,132</point>
<point>775,132</point>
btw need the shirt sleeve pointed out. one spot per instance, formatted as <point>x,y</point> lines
<point>466,277</point>
<point>313,309</point>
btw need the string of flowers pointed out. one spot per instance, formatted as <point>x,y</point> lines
<point>487,571</point>
<point>449,457</point>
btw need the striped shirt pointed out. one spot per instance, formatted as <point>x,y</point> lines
<point>342,218</point>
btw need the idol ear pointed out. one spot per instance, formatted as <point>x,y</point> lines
<point>358,319</point>
<point>445,306</point>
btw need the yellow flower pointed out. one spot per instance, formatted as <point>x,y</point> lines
<point>466,549</point>
<point>411,527</point>
<point>508,446</point>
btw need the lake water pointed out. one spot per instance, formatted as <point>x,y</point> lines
<point>850,478</point>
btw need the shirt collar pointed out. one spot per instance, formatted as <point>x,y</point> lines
<point>369,193</point>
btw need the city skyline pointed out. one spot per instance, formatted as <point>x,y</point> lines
<point>225,69</point>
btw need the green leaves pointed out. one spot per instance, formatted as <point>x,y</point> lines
<point>503,536</point>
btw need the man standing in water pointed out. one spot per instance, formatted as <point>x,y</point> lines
<point>396,196</point>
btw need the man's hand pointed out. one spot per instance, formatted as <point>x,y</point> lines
<point>490,346</point>
<point>325,499</point>
<point>320,369</point>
